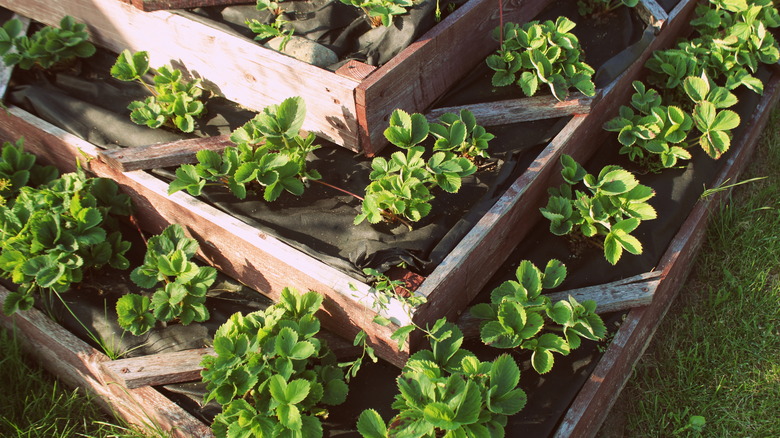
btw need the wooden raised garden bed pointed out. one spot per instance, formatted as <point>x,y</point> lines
<point>349,107</point>
<point>268,265</point>
<point>123,386</point>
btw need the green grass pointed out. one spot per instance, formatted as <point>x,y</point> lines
<point>717,352</point>
<point>35,404</point>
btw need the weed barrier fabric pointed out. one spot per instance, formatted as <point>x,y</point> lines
<point>337,26</point>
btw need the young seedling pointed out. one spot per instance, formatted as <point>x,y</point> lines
<point>269,152</point>
<point>274,28</point>
<point>181,285</point>
<point>448,391</point>
<point>612,206</point>
<point>381,12</point>
<point>518,316</point>
<point>537,54</point>
<point>175,102</point>
<point>591,8</point>
<point>654,136</point>
<point>49,48</point>
<point>401,186</point>
<point>271,374</point>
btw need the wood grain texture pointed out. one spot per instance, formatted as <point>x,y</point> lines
<point>78,366</point>
<point>598,395</point>
<point>425,70</point>
<point>520,110</point>
<point>476,258</point>
<point>652,13</point>
<point>162,155</point>
<point>230,65</point>
<point>258,260</point>
<point>157,369</point>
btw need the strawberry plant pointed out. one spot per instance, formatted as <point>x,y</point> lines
<point>715,126</point>
<point>271,374</point>
<point>612,206</point>
<point>381,12</point>
<point>448,391</point>
<point>175,102</point>
<point>50,47</point>
<point>518,316</point>
<point>274,28</point>
<point>537,54</point>
<point>401,186</point>
<point>269,152</point>
<point>655,135</point>
<point>18,169</point>
<point>181,285</point>
<point>50,235</point>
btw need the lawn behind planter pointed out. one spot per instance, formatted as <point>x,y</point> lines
<point>717,352</point>
<point>716,355</point>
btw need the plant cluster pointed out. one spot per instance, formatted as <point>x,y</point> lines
<point>517,314</point>
<point>19,169</point>
<point>657,136</point>
<point>274,28</point>
<point>50,47</point>
<point>181,284</point>
<point>175,102</point>
<point>50,235</point>
<point>271,374</point>
<point>269,152</point>
<point>381,12</point>
<point>448,391</point>
<point>612,206</point>
<point>538,54</point>
<point>401,186</point>
<point>590,8</point>
<point>733,38</point>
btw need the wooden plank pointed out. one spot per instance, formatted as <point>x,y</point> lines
<point>602,389</point>
<point>476,258</point>
<point>355,70</point>
<point>155,5</point>
<point>157,369</point>
<point>78,365</point>
<point>626,294</point>
<point>652,13</point>
<point>257,76</point>
<point>162,155</point>
<point>425,70</point>
<point>520,110</point>
<point>6,71</point>
<point>258,260</point>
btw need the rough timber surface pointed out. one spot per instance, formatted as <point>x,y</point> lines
<point>156,5</point>
<point>590,408</point>
<point>78,365</point>
<point>348,108</point>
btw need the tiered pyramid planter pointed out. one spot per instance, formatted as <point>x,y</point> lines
<point>122,386</point>
<point>268,265</point>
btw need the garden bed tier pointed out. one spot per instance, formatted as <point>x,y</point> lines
<point>349,107</point>
<point>82,366</point>
<point>268,265</point>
